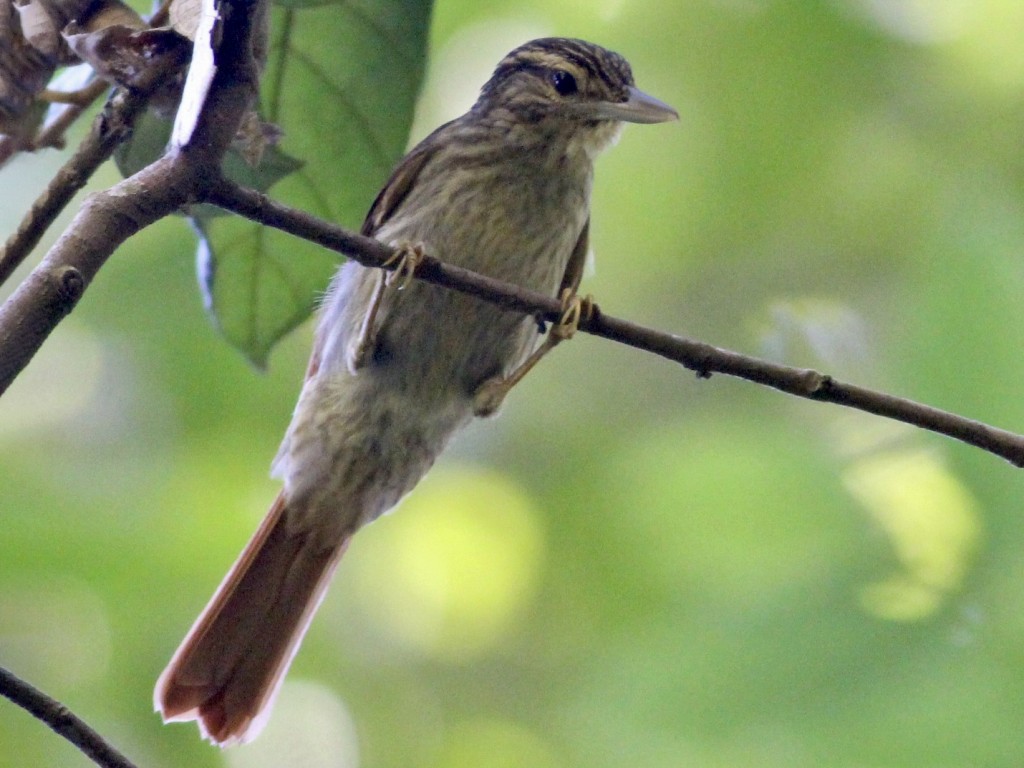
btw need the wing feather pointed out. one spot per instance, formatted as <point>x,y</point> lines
<point>577,261</point>
<point>402,179</point>
<point>384,206</point>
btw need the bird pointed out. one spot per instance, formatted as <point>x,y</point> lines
<point>398,366</point>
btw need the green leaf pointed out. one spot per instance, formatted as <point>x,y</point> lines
<point>341,82</point>
<point>147,142</point>
<point>261,282</point>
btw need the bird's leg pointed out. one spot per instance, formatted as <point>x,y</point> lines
<point>407,256</point>
<point>491,394</point>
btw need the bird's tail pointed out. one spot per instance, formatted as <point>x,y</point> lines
<point>229,667</point>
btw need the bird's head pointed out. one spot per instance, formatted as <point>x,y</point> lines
<point>572,82</point>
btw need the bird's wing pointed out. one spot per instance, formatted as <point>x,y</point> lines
<point>577,261</point>
<point>387,202</point>
<point>402,179</point>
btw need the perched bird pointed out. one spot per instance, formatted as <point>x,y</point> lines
<point>399,365</point>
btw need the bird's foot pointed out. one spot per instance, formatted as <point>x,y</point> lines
<point>407,257</point>
<point>489,396</point>
<point>575,310</point>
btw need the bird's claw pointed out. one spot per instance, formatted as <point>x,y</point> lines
<point>575,310</point>
<point>406,258</point>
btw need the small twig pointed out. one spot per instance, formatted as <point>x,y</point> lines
<point>81,97</point>
<point>702,358</point>
<point>52,135</point>
<point>62,720</point>
<point>108,130</point>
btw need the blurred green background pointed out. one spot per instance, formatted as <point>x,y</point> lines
<point>629,566</point>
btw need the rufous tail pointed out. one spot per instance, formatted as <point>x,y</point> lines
<point>228,668</point>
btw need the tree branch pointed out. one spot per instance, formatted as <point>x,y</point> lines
<point>702,358</point>
<point>108,130</point>
<point>111,127</point>
<point>182,177</point>
<point>62,720</point>
<point>110,217</point>
<point>52,135</point>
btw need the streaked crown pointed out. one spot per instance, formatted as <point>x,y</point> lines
<point>540,76</point>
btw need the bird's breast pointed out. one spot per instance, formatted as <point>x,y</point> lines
<point>512,221</point>
<point>516,220</point>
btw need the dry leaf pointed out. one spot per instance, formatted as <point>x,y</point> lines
<point>254,137</point>
<point>185,15</point>
<point>125,55</point>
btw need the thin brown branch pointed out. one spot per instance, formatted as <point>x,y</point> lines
<point>52,135</point>
<point>62,720</point>
<point>112,126</point>
<point>81,97</point>
<point>108,130</point>
<point>702,358</point>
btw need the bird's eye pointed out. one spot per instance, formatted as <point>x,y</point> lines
<point>563,82</point>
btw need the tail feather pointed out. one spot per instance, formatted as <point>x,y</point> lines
<point>229,667</point>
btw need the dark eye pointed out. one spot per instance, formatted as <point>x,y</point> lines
<point>564,83</point>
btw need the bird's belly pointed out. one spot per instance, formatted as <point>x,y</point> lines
<point>437,342</point>
<point>440,342</point>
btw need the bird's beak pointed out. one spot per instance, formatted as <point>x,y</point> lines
<point>639,107</point>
